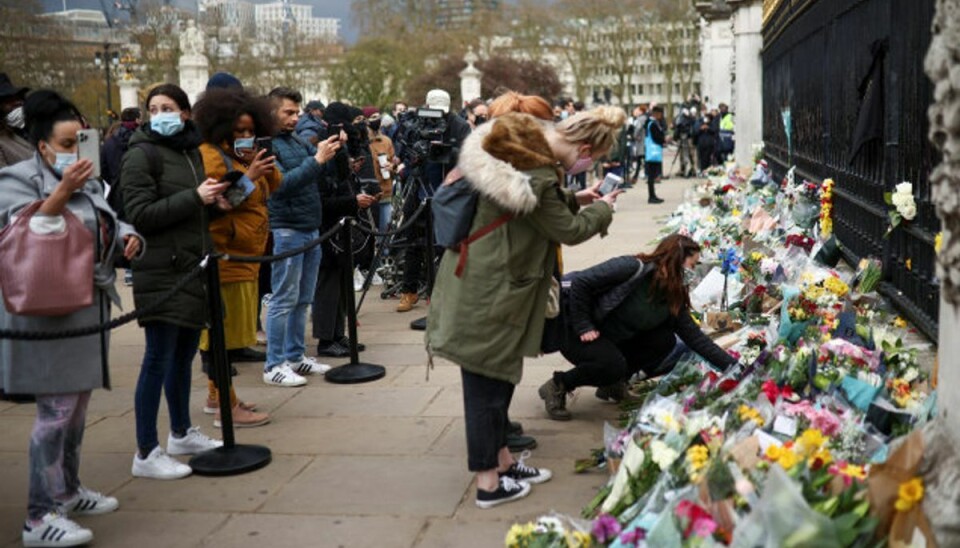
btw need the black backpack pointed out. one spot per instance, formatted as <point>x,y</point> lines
<point>453,208</point>
<point>115,198</point>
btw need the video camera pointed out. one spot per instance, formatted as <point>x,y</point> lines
<point>421,137</point>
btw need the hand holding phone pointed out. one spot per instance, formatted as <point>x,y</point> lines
<point>610,183</point>
<point>240,188</point>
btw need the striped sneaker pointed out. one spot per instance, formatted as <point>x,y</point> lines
<point>310,366</point>
<point>89,503</point>
<point>55,530</point>
<point>282,375</point>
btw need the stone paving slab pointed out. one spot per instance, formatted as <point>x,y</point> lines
<point>382,464</point>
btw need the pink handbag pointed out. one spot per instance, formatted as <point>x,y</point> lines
<point>46,274</point>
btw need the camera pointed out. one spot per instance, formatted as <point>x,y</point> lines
<point>421,135</point>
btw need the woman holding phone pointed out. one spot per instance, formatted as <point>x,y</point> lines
<point>169,199</point>
<point>62,374</point>
<point>231,121</point>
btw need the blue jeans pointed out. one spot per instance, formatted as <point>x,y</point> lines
<point>167,363</point>
<point>294,281</point>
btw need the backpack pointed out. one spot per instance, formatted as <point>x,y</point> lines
<point>453,208</point>
<point>115,199</point>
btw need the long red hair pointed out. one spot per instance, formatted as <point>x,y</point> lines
<point>668,276</point>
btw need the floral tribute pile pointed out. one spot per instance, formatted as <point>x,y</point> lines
<point>811,440</point>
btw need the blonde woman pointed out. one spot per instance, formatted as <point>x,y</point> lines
<point>491,315</point>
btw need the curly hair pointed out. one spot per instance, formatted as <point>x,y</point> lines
<point>218,110</point>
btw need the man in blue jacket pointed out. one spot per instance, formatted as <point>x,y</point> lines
<point>295,215</point>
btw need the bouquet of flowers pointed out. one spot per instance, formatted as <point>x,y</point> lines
<point>903,204</point>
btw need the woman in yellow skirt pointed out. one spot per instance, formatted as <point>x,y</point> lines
<point>231,120</point>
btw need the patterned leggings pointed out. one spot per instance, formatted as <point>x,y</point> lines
<point>55,450</point>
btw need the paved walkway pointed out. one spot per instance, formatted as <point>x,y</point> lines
<point>379,464</point>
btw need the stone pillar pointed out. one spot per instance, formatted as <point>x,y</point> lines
<point>747,101</point>
<point>129,93</point>
<point>194,67</point>
<point>944,71</point>
<point>716,52</point>
<point>470,79</point>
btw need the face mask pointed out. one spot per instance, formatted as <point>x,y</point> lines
<point>583,164</point>
<point>564,115</point>
<point>689,275</point>
<point>166,123</point>
<point>480,120</point>
<point>63,161</point>
<point>374,125</point>
<point>244,143</point>
<point>15,118</point>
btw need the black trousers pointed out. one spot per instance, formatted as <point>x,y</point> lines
<point>329,311</point>
<point>653,170</point>
<point>415,252</point>
<point>485,404</point>
<point>604,362</point>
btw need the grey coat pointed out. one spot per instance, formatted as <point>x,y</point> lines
<point>68,365</point>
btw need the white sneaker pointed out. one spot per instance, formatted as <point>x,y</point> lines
<point>55,530</point>
<point>193,442</point>
<point>89,503</point>
<point>310,366</point>
<point>282,375</point>
<point>358,279</point>
<point>159,465</point>
<point>376,280</point>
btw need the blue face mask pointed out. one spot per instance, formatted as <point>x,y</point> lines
<point>245,143</point>
<point>166,123</point>
<point>63,161</point>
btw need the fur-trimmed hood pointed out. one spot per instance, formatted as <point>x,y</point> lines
<point>495,157</point>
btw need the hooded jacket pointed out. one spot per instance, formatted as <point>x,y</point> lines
<point>490,318</point>
<point>172,218</point>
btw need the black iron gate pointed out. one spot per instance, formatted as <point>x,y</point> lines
<point>816,54</point>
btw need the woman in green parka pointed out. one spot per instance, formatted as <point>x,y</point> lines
<point>491,315</point>
<point>168,198</point>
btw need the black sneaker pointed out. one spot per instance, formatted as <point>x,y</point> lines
<point>518,442</point>
<point>332,350</point>
<point>419,324</point>
<point>345,342</point>
<point>654,200</point>
<point>519,471</point>
<point>515,428</point>
<point>245,355</point>
<point>508,490</point>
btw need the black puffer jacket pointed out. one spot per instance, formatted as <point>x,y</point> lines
<point>171,216</point>
<point>593,293</point>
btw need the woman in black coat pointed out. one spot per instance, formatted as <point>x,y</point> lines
<point>623,316</point>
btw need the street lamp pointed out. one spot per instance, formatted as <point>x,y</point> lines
<point>107,59</point>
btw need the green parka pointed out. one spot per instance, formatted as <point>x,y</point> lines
<point>492,316</point>
<point>173,220</point>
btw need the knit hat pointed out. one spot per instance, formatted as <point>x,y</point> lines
<point>337,113</point>
<point>314,105</point>
<point>224,80</point>
<point>370,111</point>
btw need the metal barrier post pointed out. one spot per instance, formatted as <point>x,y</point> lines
<point>355,371</point>
<point>230,459</point>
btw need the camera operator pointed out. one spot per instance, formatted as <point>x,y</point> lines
<point>683,127</point>
<point>352,165</point>
<point>440,160</point>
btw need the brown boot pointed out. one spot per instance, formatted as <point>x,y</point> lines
<point>244,418</point>
<point>407,302</point>
<point>554,397</point>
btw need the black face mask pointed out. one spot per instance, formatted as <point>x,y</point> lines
<point>479,120</point>
<point>374,125</point>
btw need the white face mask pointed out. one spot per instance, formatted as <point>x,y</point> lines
<point>15,118</point>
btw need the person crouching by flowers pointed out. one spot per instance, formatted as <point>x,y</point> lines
<point>62,374</point>
<point>623,316</point>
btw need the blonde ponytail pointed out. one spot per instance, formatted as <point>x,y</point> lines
<point>599,127</point>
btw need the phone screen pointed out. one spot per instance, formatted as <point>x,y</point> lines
<point>88,148</point>
<point>610,183</point>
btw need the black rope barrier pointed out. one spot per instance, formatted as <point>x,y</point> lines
<point>109,325</point>
<point>286,254</point>
<point>407,223</point>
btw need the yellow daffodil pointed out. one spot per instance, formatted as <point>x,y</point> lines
<point>756,256</point>
<point>938,242</point>
<point>854,471</point>
<point>582,540</point>
<point>811,440</point>
<point>773,452</point>
<point>788,459</point>
<point>909,494</point>
<point>819,459</point>
<point>899,322</point>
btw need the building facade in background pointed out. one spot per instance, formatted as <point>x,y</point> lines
<point>458,13</point>
<point>278,19</point>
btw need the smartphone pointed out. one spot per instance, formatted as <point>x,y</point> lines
<point>610,183</point>
<point>88,147</point>
<point>240,187</point>
<point>265,143</point>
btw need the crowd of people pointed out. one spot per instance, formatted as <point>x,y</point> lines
<point>248,174</point>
